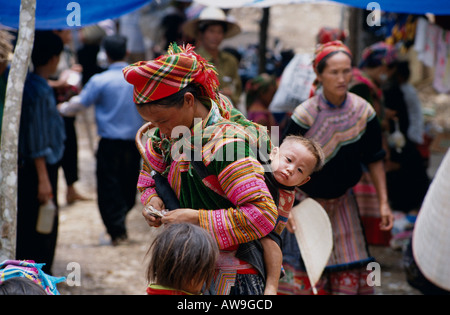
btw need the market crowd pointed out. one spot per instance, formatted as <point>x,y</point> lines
<point>344,130</point>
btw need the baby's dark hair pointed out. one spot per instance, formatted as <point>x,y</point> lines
<point>313,146</point>
<point>182,255</point>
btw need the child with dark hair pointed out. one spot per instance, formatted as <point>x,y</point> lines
<point>21,286</point>
<point>183,260</point>
<point>41,147</point>
<point>25,277</point>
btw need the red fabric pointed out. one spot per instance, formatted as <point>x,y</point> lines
<point>349,282</point>
<point>212,182</point>
<point>424,148</point>
<point>328,34</point>
<point>373,233</point>
<point>246,271</point>
<point>324,50</point>
<point>153,291</point>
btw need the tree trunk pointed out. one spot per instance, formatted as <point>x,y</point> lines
<point>10,130</point>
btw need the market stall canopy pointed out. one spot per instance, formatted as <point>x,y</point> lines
<point>66,14</point>
<point>228,4</point>
<point>437,7</point>
<point>63,14</point>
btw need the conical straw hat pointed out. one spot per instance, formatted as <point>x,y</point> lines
<point>211,14</point>
<point>314,237</point>
<point>431,236</point>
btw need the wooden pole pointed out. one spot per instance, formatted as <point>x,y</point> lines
<point>10,129</point>
<point>355,37</point>
<point>263,40</point>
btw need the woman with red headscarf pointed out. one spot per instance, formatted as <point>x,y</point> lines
<point>212,167</point>
<point>347,128</point>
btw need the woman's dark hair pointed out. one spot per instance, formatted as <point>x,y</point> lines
<point>176,99</point>
<point>21,286</point>
<point>182,255</point>
<point>323,63</point>
<point>46,45</point>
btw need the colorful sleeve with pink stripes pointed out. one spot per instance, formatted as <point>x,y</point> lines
<point>255,213</point>
<point>146,184</point>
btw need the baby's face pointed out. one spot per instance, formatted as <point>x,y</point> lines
<point>292,163</point>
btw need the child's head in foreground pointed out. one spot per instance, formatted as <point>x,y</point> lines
<point>21,286</point>
<point>183,257</point>
<point>295,160</point>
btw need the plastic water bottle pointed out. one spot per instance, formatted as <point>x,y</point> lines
<point>46,217</point>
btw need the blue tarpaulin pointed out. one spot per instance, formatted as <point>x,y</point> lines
<point>437,7</point>
<point>59,14</point>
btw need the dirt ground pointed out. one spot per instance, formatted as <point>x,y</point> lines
<point>103,269</point>
<point>107,270</point>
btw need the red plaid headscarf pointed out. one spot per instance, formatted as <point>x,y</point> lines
<point>325,49</point>
<point>168,74</point>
